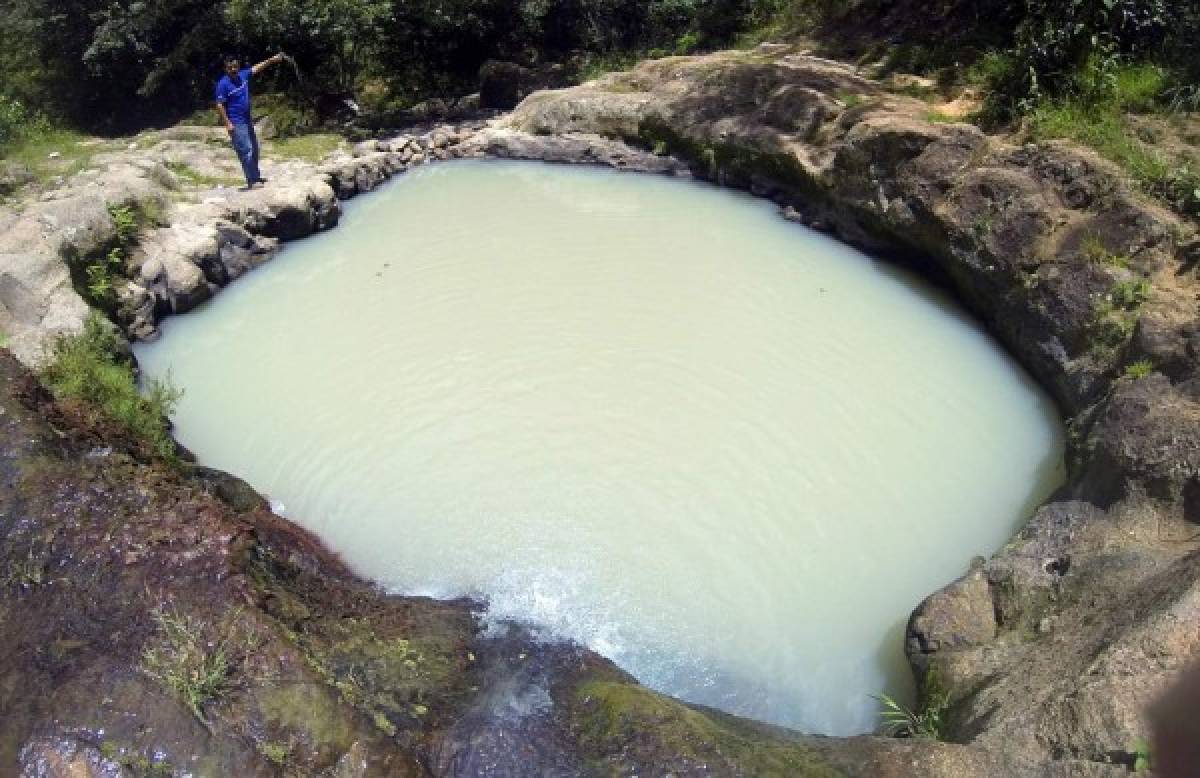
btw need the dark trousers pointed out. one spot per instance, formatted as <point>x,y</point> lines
<point>245,143</point>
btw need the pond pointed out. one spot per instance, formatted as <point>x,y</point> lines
<point>645,414</point>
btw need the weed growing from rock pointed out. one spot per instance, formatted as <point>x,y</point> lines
<point>182,660</point>
<point>1139,369</point>
<point>927,721</point>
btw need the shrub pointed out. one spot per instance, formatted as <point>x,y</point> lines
<point>88,368</point>
<point>18,123</point>
<point>901,721</point>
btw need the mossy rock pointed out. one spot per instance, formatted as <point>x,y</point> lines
<point>622,726</point>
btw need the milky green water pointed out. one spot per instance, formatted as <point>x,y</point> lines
<point>645,414</point>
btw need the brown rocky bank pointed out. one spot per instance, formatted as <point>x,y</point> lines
<point>1050,650</point>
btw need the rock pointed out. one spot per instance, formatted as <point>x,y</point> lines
<point>235,492</point>
<point>797,109</point>
<point>265,129</point>
<point>1138,443</point>
<point>65,758</point>
<point>151,270</point>
<point>960,615</point>
<point>585,149</point>
<point>13,176</point>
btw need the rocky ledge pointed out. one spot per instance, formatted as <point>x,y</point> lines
<point>1049,652</point>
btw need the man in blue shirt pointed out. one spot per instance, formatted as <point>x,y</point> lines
<point>233,104</point>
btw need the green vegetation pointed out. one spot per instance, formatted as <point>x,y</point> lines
<point>937,117</point>
<point>41,155</point>
<point>1139,369</point>
<point>89,369</point>
<point>928,720</point>
<point>135,761</point>
<point>81,61</point>
<point>1097,253</point>
<point>1082,70</point>
<point>850,99</point>
<point>1116,316</point>
<point>18,123</point>
<point>1130,295</point>
<point>901,721</point>
<point>1142,761</point>
<point>614,718</point>
<point>194,177</point>
<point>1097,113</point>
<point>311,148</point>
<point>27,572</point>
<point>276,752</point>
<point>183,659</point>
<point>97,274</point>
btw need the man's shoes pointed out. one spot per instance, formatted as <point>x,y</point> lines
<point>261,180</point>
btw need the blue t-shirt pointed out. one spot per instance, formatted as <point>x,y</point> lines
<point>236,97</point>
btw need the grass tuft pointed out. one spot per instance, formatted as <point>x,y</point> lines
<point>88,368</point>
<point>310,148</point>
<point>1097,118</point>
<point>1139,369</point>
<point>181,659</point>
<point>1097,253</point>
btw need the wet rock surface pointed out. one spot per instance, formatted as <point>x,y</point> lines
<point>1049,652</point>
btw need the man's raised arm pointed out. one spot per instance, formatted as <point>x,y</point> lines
<point>266,63</point>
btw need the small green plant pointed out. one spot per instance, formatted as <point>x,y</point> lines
<point>18,122</point>
<point>849,99</point>
<point>1111,332</point>
<point>1130,295</point>
<point>26,573</point>
<point>660,148</point>
<point>1094,251</point>
<point>135,762</point>
<point>99,273</point>
<point>125,220</point>
<point>186,663</point>
<point>277,753</point>
<point>383,724</point>
<point>901,721</point>
<point>1142,761</point>
<point>937,117</point>
<point>101,277</point>
<point>190,175</point>
<point>928,720</point>
<point>687,43</point>
<point>88,368</point>
<point>1139,369</point>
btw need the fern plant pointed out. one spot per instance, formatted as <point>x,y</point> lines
<point>901,721</point>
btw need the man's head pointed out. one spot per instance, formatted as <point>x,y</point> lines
<point>231,65</point>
